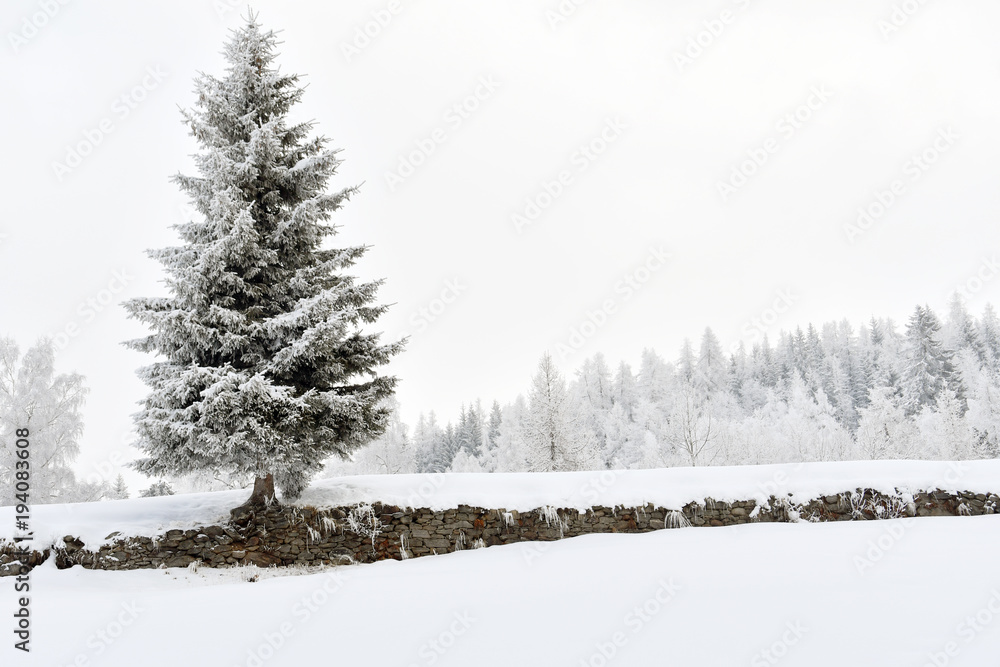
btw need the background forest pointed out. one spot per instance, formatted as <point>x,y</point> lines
<point>927,390</point>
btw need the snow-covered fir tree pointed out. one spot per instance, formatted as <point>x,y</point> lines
<point>553,437</point>
<point>391,453</point>
<point>266,368</point>
<point>119,490</point>
<point>156,489</point>
<point>883,430</point>
<point>493,425</point>
<point>929,368</point>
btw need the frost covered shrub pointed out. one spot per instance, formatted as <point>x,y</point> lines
<point>363,521</point>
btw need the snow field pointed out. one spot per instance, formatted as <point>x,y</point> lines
<point>767,594</point>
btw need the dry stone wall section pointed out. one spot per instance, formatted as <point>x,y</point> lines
<point>288,535</point>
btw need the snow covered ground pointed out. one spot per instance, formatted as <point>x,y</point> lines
<point>903,592</point>
<point>670,487</point>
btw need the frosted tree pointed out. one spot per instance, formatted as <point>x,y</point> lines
<point>741,381</point>
<point>157,489</point>
<point>34,397</point>
<point>265,367</point>
<point>469,433</point>
<point>712,368</point>
<point>493,426</point>
<point>884,432</point>
<point>434,447</point>
<point>511,453</point>
<point>119,490</point>
<point>687,363</point>
<point>631,445</point>
<point>929,368</point>
<point>464,462</point>
<point>960,333</point>
<point>944,431</point>
<point>552,429</point>
<point>625,389</point>
<point>592,391</point>
<point>810,429</point>
<point>983,416</point>
<point>989,334</point>
<point>692,430</point>
<point>655,376</point>
<point>886,354</point>
<point>594,382</point>
<point>428,439</point>
<point>391,453</point>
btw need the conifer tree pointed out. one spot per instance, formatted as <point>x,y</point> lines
<point>989,333</point>
<point>552,432</point>
<point>264,367</point>
<point>445,449</point>
<point>712,367</point>
<point>119,491</point>
<point>493,425</point>
<point>929,365</point>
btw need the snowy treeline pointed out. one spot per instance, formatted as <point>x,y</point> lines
<point>929,390</point>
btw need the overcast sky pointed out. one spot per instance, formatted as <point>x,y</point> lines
<point>654,167</point>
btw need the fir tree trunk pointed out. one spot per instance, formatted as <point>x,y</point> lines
<point>261,498</point>
<point>263,491</point>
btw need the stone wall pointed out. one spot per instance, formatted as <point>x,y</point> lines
<point>288,535</point>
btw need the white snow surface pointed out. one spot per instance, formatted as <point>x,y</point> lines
<point>868,593</point>
<point>669,487</point>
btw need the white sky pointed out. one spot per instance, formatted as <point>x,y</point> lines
<point>655,186</point>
